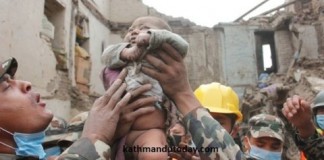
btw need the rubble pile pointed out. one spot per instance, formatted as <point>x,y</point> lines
<point>306,81</point>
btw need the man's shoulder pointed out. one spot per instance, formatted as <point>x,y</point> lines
<point>8,156</point>
<point>87,149</point>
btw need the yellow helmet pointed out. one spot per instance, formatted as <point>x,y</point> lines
<point>219,99</point>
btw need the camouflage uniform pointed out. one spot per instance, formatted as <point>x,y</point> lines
<point>61,134</point>
<point>74,130</point>
<point>14,157</point>
<point>265,125</point>
<point>81,148</point>
<point>54,132</point>
<point>312,146</point>
<point>85,149</point>
<point>207,132</point>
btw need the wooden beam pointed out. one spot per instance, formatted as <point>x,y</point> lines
<point>246,13</point>
<point>281,6</point>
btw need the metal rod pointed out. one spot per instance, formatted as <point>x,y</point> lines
<point>246,13</point>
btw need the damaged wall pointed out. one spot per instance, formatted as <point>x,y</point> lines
<point>284,50</point>
<point>238,58</point>
<point>92,43</point>
<point>42,35</point>
<point>202,58</point>
<point>126,10</point>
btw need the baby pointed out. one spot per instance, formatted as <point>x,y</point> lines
<point>145,35</point>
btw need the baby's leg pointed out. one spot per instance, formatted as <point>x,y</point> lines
<point>152,138</point>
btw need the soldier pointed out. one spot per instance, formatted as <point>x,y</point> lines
<point>265,137</point>
<point>318,115</point>
<point>318,111</point>
<point>207,133</point>
<point>223,104</point>
<point>299,114</point>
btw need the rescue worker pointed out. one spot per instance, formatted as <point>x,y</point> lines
<point>265,138</point>
<point>223,104</point>
<point>308,138</point>
<point>318,111</point>
<point>207,133</point>
<point>318,116</point>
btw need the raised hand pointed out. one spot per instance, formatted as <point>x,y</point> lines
<point>298,112</point>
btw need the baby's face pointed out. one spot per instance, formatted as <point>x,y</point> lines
<point>141,25</point>
<point>177,129</point>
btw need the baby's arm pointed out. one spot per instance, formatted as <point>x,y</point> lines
<point>118,55</point>
<point>111,56</point>
<point>131,53</point>
<point>158,37</point>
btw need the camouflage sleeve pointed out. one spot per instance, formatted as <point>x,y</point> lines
<point>85,149</point>
<point>312,147</point>
<point>160,36</point>
<point>208,134</point>
<point>111,56</point>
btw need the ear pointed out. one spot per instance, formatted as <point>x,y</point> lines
<point>246,143</point>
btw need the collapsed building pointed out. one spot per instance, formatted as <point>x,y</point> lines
<point>296,42</point>
<point>58,45</point>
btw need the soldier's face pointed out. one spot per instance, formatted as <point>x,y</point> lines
<point>320,111</point>
<point>224,120</point>
<point>21,110</point>
<point>267,143</point>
